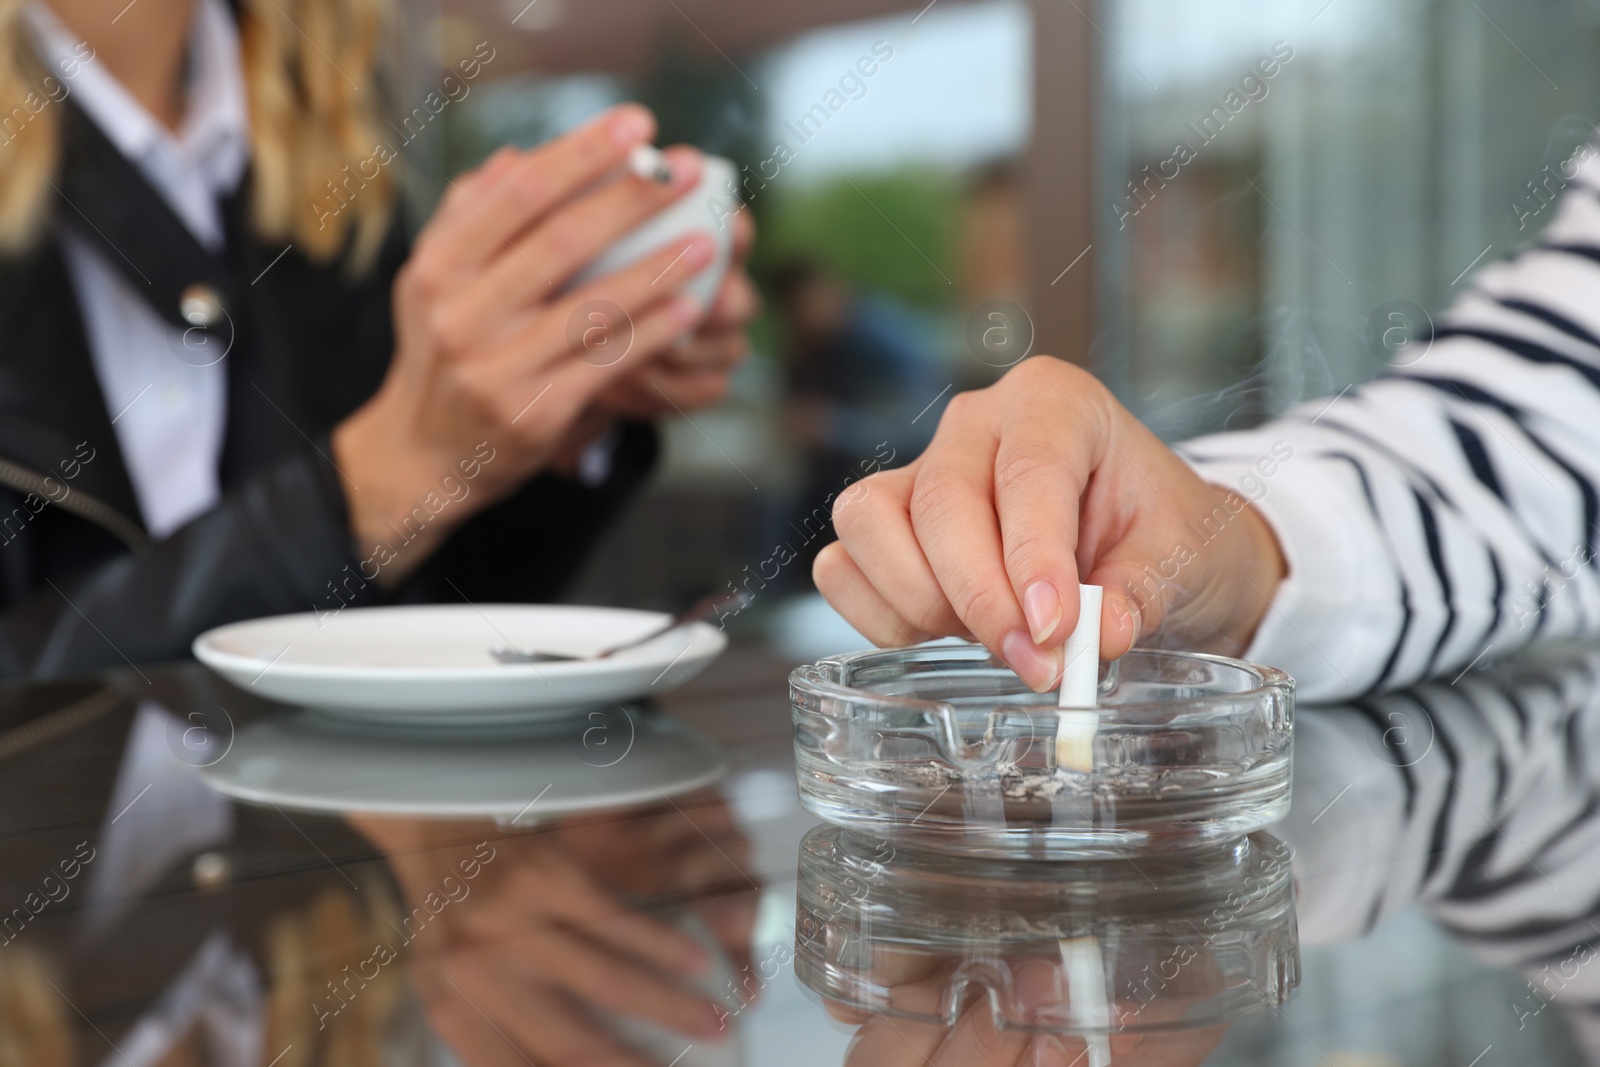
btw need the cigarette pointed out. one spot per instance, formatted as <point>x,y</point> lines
<point>1075,731</point>
<point>1080,686</point>
<point>1085,968</point>
<point>649,163</point>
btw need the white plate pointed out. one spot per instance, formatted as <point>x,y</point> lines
<point>610,758</point>
<point>431,663</point>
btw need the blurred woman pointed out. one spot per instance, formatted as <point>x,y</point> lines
<point>231,385</point>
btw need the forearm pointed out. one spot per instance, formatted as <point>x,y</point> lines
<point>1446,513</point>
<point>1431,519</point>
<point>1403,563</point>
<point>277,544</point>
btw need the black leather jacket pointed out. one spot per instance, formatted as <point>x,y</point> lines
<point>82,585</point>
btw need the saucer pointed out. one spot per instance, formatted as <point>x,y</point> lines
<point>432,664</point>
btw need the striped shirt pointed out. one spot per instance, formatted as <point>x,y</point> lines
<point>1445,513</point>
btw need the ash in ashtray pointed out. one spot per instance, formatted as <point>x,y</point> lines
<point>1040,783</point>
<point>1013,782</point>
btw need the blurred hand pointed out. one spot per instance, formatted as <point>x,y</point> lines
<point>484,362</point>
<point>1030,486</point>
<point>695,372</point>
<point>692,373</point>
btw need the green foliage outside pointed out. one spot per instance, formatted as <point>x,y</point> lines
<point>880,231</point>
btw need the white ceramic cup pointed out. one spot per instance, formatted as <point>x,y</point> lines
<point>709,207</point>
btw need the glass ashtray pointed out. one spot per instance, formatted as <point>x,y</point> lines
<point>1169,943</point>
<point>942,746</point>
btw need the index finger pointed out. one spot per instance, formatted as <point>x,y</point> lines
<point>953,512</point>
<point>1040,471</point>
<point>483,212</point>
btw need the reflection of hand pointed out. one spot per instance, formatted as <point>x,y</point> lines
<point>482,321</point>
<point>513,970</point>
<point>1029,486</point>
<point>692,851</point>
<point>543,945</point>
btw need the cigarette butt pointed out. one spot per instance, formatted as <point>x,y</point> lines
<point>649,163</point>
<point>1080,686</point>
<point>1075,732</point>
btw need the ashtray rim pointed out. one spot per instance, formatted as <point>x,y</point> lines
<point>819,680</point>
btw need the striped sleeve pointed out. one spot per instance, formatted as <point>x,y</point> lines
<point>1447,512</point>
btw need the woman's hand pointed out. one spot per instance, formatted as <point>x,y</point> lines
<point>486,362</point>
<point>695,372</point>
<point>1030,486</point>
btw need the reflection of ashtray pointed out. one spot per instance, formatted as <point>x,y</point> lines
<point>611,758</point>
<point>1169,941</point>
<point>944,747</point>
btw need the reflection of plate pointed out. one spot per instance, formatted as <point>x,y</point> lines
<point>609,758</point>
<point>433,664</point>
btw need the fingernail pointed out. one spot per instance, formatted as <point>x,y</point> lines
<point>1042,605</point>
<point>1033,665</point>
<point>629,125</point>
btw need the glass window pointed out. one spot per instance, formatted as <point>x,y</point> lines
<point>1290,189</point>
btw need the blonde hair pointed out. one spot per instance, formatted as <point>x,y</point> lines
<point>312,952</point>
<point>306,951</point>
<point>310,70</point>
<point>35,1031</point>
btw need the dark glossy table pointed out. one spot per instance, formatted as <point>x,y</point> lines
<point>1445,875</point>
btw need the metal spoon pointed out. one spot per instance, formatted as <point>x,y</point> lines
<point>704,608</point>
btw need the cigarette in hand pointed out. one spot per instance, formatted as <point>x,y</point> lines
<point>650,164</point>
<point>1080,686</point>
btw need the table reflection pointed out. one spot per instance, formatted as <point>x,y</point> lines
<point>149,920</point>
<point>592,906</point>
<point>608,758</point>
<point>957,961</point>
<point>535,943</point>
<point>1474,798</point>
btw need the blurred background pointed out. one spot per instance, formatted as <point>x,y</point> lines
<point>1221,206</point>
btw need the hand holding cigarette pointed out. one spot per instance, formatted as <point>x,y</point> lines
<point>1031,486</point>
